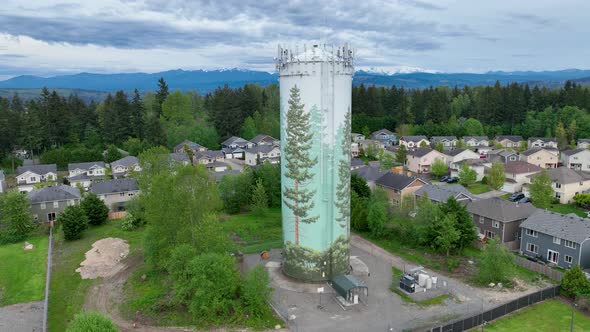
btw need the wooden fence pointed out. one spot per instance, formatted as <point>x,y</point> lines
<point>539,268</point>
<point>117,215</point>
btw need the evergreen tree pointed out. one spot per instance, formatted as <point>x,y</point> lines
<point>298,162</point>
<point>401,155</point>
<point>463,222</point>
<point>259,199</point>
<point>16,222</point>
<point>359,186</point>
<point>161,95</point>
<point>73,222</point>
<point>574,283</point>
<point>95,209</point>
<point>447,235</point>
<point>137,116</point>
<point>561,135</point>
<point>248,129</point>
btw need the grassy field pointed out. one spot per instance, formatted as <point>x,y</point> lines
<point>478,188</point>
<point>548,316</point>
<point>568,208</point>
<point>68,290</point>
<point>22,276</point>
<point>256,233</point>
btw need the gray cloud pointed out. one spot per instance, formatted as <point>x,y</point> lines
<point>530,18</point>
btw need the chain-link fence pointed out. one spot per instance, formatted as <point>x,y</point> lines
<point>466,324</point>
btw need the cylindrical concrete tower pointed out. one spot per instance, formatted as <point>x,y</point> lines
<point>316,87</point>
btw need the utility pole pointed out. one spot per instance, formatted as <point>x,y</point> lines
<point>574,305</point>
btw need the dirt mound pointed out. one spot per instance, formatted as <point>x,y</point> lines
<point>103,260</point>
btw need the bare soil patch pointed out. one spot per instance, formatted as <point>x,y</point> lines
<point>104,259</point>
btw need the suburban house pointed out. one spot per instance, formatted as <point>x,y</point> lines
<point>412,142</point>
<point>263,139</point>
<point>509,141</point>
<point>398,186</point>
<point>355,137</point>
<point>356,163</point>
<point>355,150</point>
<point>191,145</point>
<point>116,192</point>
<point>517,174</point>
<point>28,176</point>
<point>499,219</point>
<point>420,160</point>
<point>542,142</point>
<point>447,141</point>
<point>583,143</point>
<point>2,182</point>
<point>262,153</point>
<point>219,175</point>
<point>82,174</point>
<point>48,202</point>
<point>458,155</point>
<point>578,159</point>
<point>207,157</point>
<point>181,158</point>
<point>386,137</point>
<point>370,173</point>
<point>217,167</point>
<point>556,238</point>
<point>503,156</point>
<point>124,166</point>
<point>566,183</point>
<point>233,147</point>
<point>475,142</point>
<point>478,165</point>
<point>368,143</point>
<point>541,157</point>
<point>440,194</point>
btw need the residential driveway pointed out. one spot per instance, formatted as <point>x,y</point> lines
<point>236,164</point>
<point>490,194</point>
<point>384,310</point>
<point>22,317</point>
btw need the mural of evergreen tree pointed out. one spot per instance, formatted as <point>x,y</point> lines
<point>343,188</point>
<point>298,162</point>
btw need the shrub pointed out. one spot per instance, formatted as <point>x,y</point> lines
<point>91,322</point>
<point>496,264</point>
<point>484,180</point>
<point>73,221</point>
<point>129,223</point>
<point>574,283</point>
<point>95,209</point>
<point>255,291</point>
<point>453,263</point>
<point>15,219</point>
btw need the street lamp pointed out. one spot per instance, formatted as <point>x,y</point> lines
<point>574,305</point>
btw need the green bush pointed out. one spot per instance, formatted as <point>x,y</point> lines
<point>91,322</point>
<point>496,264</point>
<point>255,292</point>
<point>95,209</point>
<point>574,283</point>
<point>129,223</point>
<point>484,180</point>
<point>73,222</point>
<point>453,263</point>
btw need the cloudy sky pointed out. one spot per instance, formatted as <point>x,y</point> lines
<point>48,37</point>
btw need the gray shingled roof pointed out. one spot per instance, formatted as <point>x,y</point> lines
<point>37,169</point>
<point>234,139</point>
<point>209,154</point>
<point>355,162</point>
<point>74,166</point>
<point>80,177</point>
<point>442,138</point>
<point>126,161</point>
<point>179,157</point>
<point>533,151</point>
<point>477,138</point>
<point>501,210</point>
<point>568,227</point>
<point>454,152</point>
<point>520,167</point>
<point>216,164</point>
<point>261,149</point>
<point>565,175</point>
<point>53,193</point>
<point>413,138</point>
<point>508,137</point>
<point>442,193</point>
<point>114,186</point>
<point>369,173</point>
<point>260,137</point>
<point>572,152</point>
<point>388,132</point>
<point>543,139</point>
<point>191,145</point>
<point>396,181</point>
<point>420,152</point>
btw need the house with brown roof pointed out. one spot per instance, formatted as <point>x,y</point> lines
<point>541,157</point>
<point>420,160</point>
<point>509,141</point>
<point>517,173</point>
<point>398,186</point>
<point>499,219</point>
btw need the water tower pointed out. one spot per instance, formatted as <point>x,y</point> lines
<point>315,87</point>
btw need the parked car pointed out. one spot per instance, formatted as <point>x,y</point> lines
<point>524,200</point>
<point>516,197</point>
<point>444,178</point>
<point>453,179</point>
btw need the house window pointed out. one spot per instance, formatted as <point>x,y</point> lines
<point>55,204</point>
<point>51,216</point>
<point>43,206</point>
<point>496,224</point>
<point>556,240</point>
<point>558,185</point>
<point>568,259</point>
<point>36,217</point>
<point>489,234</point>
<point>121,194</point>
<point>557,195</point>
<point>552,256</point>
<point>33,179</point>
<point>481,219</point>
<point>530,247</point>
<point>532,233</point>
<point>569,244</point>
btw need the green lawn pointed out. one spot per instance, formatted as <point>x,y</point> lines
<point>478,188</point>
<point>506,196</point>
<point>67,289</point>
<point>257,233</point>
<point>548,316</point>
<point>22,275</point>
<point>568,208</point>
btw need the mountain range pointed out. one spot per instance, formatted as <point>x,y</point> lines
<point>204,81</point>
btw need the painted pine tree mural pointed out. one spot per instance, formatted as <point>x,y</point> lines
<point>343,188</point>
<point>298,162</point>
